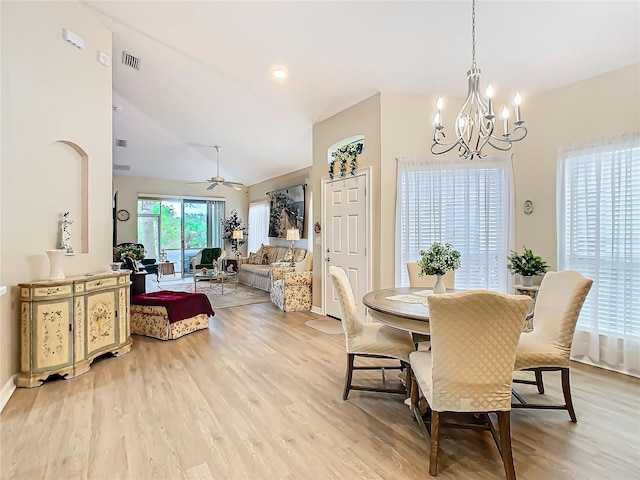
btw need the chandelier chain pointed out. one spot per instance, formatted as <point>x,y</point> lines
<point>473,34</point>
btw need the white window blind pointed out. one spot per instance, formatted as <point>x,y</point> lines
<point>258,226</point>
<point>466,203</point>
<point>599,236</point>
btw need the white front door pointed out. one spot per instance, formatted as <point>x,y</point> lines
<point>347,237</point>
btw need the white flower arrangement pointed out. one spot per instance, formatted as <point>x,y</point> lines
<point>438,259</point>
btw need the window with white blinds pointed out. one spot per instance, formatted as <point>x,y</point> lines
<point>466,203</point>
<point>258,226</point>
<point>599,236</point>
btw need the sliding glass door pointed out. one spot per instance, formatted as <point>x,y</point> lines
<point>179,228</point>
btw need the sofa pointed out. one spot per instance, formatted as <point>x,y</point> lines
<point>255,270</point>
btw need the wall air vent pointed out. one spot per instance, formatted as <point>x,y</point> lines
<point>120,142</point>
<point>130,60</point>
<point>124,168</point>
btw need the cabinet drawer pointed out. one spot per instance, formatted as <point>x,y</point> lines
<point>49,292</point>
<point>101,283</point>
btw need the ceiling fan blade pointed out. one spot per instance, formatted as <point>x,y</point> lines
<point>212,186</point>
<point>234,185</point>
<point>193,183</point>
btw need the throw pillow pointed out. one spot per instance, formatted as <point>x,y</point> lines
<point>288,256</point>
<point>305,265</point>
<point>265,259</point>
<point>254,259</point>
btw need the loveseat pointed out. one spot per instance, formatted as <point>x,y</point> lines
<point>255,270</point>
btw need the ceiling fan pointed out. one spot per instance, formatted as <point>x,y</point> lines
<point>218,180</point>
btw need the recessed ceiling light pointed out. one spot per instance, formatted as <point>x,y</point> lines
<point>279,73</point>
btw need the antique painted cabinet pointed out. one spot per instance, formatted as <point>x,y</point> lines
<point>67,323</point>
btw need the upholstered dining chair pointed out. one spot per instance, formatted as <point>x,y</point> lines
<point>426,281</point>
<point>548,346</point>
<point>474,336</point>
<point>368,339</point>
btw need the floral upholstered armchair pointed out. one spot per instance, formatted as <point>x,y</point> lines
<point>291,289</point>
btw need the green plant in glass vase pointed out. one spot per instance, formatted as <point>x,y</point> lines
<point>437,260</point>
<point>526,265</point>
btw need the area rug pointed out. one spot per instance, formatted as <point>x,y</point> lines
<point>244,295</point>
<point>330,327</point>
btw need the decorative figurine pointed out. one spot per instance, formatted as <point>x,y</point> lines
<point>66,233</point>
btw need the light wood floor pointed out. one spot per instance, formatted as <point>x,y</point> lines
<point>258,396</point>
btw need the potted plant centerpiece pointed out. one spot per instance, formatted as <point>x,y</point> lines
<point>526,265</point>
<point>437,260</point>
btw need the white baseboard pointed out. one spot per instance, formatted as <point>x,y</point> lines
<point>7,391</point>
<point>317,310</point>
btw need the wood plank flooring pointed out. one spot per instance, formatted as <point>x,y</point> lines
<point>258,396</point>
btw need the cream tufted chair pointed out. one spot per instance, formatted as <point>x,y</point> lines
<point>426,281</point>
<point>368,339</point>
<point>548,346</point>
<point>474,336</point>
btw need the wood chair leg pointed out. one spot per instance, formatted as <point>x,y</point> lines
<point>408,378</point>
<point>504,424</point>
<point>348,376</point>
<point>435,434</point>
<point>539,382</point>
<point>566,390</point>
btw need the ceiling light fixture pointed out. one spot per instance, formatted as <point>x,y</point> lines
<point>279,73</point>
<point>475,123</point>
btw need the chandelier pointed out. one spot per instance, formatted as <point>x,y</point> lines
<point>476,122</point>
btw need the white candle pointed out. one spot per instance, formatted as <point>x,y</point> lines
<point>489,92</point>
<point>439,104</point>
<point>505,118</point>
<point>517,99</point>
<point>436,119</point>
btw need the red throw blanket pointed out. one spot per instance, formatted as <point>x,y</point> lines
<point>179,305</point>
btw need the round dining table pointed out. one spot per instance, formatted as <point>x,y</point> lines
<point>411,317</point>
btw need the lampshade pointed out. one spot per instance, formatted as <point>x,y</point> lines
<point>293,234</point>
<point>237,235</point>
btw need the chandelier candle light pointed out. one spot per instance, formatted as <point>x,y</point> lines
<point>475,123</point>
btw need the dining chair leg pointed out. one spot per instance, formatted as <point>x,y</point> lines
<point>435,434</point>
<point>504,424</point>
<point>566,391</point>
<point>539,382</point>
<point>348,376</point>
<point>408,378</point>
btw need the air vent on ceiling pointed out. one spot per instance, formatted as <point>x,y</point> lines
<point>125,168</point>
<point>130,60</point>
<point>120,142</point>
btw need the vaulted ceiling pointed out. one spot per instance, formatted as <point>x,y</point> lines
<point>204,76</point>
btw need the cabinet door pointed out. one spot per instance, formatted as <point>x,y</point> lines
<point>102,322</point>
<point>52,343</point>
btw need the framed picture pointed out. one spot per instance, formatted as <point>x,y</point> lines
<point>287,211</point>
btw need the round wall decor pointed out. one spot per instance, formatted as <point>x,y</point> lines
<point>527,207</point>
<point>123,215</point>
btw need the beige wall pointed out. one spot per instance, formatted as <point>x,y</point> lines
<point>51,92</point>
<point>398,125</point>
<point>129,188</point>
<point>590,109</point>
<point>360,119</point>
<point>258,193</point>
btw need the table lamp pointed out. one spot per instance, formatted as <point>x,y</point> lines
<point>293,234</point>
<point>237,235</point>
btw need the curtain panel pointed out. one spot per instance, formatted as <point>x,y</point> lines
<point>258,226</point>
<point>598,201</point>
<point>466,203</point>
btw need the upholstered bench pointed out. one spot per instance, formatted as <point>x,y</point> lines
<point>169,315</point>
